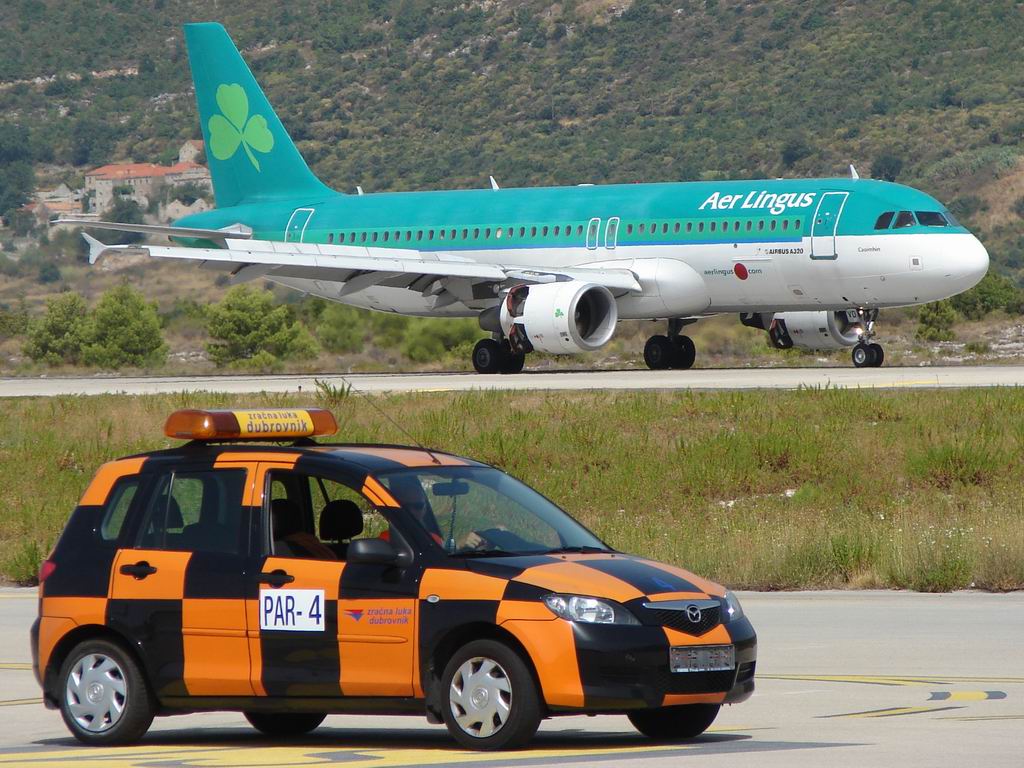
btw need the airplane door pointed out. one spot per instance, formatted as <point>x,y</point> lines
<point>593,233</point>
<point>611,233</point>
<point>296,229</point>
<point>825,223</point>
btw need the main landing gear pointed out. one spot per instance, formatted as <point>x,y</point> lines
<point>868,354</point>
<point>671,351</point>
<point>494,356</point>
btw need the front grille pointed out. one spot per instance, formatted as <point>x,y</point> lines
<point>697,682</point>
<point>680,620</point>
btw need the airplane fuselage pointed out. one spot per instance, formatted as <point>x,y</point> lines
<point>757,246</point>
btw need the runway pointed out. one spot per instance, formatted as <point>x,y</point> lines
<point>845,679</point>
<point>698,379</point>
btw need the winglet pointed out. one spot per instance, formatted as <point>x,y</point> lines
<point>494,184</point>
<point>853,172</point>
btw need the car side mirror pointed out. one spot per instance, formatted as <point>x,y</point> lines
<point>371,551</point>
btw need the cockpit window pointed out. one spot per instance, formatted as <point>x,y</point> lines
<point>931,219</point>
<point>904,219</point>
<point>884,220</point>
<point>951,219</point>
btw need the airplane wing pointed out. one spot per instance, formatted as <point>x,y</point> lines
<point>361,267</point>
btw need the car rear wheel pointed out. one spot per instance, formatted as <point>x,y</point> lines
<point>671,723</point>
<point>105,698</point>
<point>491,699</point>
<point>285,724</point>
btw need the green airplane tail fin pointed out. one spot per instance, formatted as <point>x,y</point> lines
<point>251,156</point>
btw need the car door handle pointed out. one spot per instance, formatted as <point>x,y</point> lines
<point>276,578</point>
<point>139,570</point>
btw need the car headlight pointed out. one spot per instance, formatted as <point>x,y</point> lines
<point>732,608</point>
<point>589,610</point>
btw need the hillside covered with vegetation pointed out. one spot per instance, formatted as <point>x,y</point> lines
<point>411,94</point>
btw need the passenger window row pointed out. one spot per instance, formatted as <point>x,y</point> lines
<point>557,230</point>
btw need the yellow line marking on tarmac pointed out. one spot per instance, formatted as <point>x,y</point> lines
<point>894,679</point>
<point>966,695</point>
<point>890,712</point>
<point>32,596</point>
<point>14,665</point>
<point>321,754</point>
<point>19,702</point>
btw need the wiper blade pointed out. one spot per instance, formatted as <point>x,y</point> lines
<point>583,550</point>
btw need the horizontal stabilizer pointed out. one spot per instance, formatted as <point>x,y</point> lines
<point>235,231</point>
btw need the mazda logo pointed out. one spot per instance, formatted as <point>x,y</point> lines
<point>693,613</point>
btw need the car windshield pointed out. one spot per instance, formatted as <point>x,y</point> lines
<point>472,511</point>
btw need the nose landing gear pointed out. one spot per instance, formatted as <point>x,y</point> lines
<point>868,354</point>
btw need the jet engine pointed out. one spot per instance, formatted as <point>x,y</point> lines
<point>815,330</point>
<point>560,318</point>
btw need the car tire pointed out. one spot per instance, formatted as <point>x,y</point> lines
<point>673,723</point>
<point>490,697</point>
<point>104,696</point>
<point>283,725</point>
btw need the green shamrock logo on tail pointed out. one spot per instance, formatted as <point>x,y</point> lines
<point>234,126</point>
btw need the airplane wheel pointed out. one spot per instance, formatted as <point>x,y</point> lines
<point>685,352</point>
<point>487,356</point>
<point>863,356</point>
<point>511,362</point>
<point>879,354</point>
<point>659,353</point>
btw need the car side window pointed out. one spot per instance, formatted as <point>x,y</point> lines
<point>116,511</point>
<point>195,512</point>
<point>317,517</point>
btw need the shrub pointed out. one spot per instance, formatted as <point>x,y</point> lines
<point>887,166</point>
<point>246,323</point>
<point>124,330</point>
<point>993,292</point>
<point>428,340</point>
<point>935,321</point>
<point>60,335</point>
<point>342,328</point>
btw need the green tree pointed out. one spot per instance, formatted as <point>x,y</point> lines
<point>935,321</point>
<point>887,166</point>
<point>60,335</point>
<point>342,328</point>
<point>246,326</point>
<point>17,180</point>
<point>126,211</point>
<point>429,339</point>
<point>124,330</point>
<point>994,292</point>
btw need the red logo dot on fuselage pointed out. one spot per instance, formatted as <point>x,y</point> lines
<point>741,271</point>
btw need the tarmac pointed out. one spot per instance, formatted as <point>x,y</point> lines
<point>844,679</point>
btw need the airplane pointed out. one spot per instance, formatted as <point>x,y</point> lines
<point>809,261</point>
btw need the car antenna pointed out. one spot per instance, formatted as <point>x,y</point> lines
<point>384,413</point>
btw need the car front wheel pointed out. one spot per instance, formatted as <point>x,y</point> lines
<point>104,695</point>
<point>672,723</point>
<point>491,699</point>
